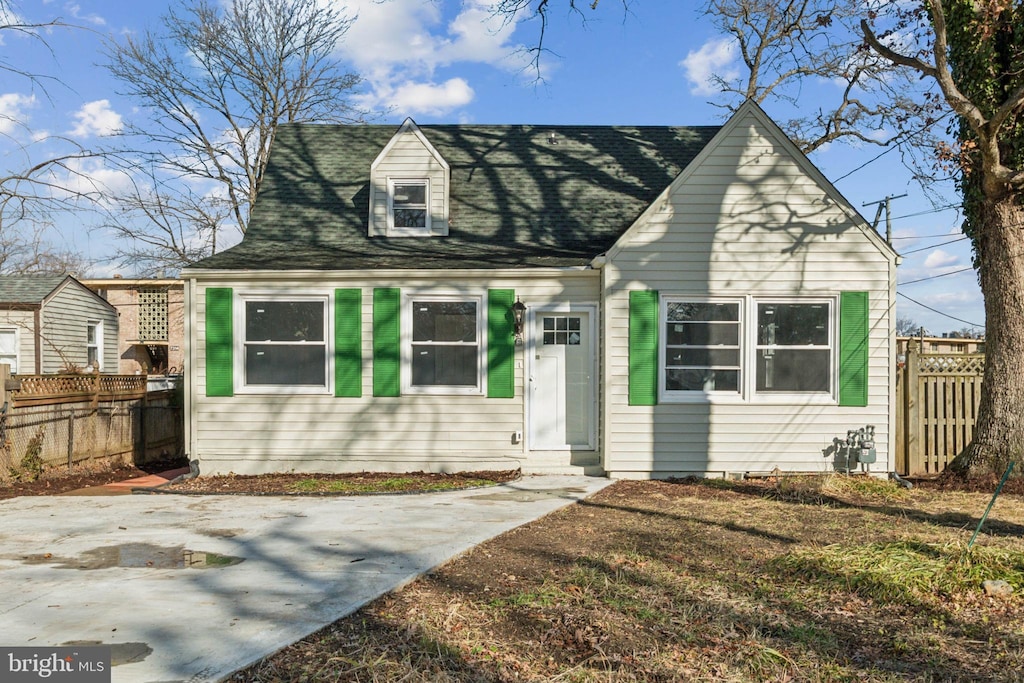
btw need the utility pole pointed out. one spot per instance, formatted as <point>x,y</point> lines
<point>884,203</point>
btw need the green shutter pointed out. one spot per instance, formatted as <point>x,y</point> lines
<point>853,349</point>
<point>386,306</point>
<point>219,343</point>
<point>643,348</point>
<point>500,344</point>
<point>348,343</point>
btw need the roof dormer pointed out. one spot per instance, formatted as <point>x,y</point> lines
<point>409,183</point>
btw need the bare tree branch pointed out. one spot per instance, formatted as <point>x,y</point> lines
<point>215,82</point>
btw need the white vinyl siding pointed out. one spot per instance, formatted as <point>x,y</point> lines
<point>249,433</point>
<point>408,159</point>
<point>745,221</point>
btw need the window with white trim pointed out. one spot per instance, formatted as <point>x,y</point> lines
<point>794,348</point>
<point>94,344</point>
<point>443,346</point>
<point>285,342</point>
<point>9,348</point>
<point>701,347</point>
<point>409,206</point>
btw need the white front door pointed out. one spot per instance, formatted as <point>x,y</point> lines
<point>563,403</point>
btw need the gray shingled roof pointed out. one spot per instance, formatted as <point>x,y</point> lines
<point>28,289</point>
<point>516,200</point>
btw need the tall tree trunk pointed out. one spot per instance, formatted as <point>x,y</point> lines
<point>999,434</point>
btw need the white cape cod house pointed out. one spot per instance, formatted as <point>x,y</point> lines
<point>694,300</point>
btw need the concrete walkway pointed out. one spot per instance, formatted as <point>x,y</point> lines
<point>192,588</point>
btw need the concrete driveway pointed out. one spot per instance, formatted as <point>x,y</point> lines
<point>192,588</point>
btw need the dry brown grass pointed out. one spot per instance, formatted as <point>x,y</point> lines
<point>826,580</point>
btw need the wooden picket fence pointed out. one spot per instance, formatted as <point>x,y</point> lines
<point>937,398</point>
<point>77,421</point>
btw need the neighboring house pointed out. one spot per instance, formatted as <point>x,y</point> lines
<point>942,344</point>
<point>53,323</point>
<point>151,339</point>
<point>697,301</point>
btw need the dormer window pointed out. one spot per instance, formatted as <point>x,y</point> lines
<point>408,212</point>
<point>410,183</point>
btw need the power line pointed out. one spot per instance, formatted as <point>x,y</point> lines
<point>895,145</point>
<point>937,209</point>
<point>952,272</point>
<point>922,237</point>
<point>935,310</point>
<point>869,161</point>
<point>940,244</point>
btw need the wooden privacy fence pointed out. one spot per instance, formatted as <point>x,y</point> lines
<point>77,420</point>
<point>937,398</point>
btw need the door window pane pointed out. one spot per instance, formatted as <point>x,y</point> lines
<point>562,331</point>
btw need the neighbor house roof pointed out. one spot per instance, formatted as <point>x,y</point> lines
<point>520,196</point>
<point>28,289</point>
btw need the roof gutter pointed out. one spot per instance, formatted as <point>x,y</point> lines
<point>322,275</point>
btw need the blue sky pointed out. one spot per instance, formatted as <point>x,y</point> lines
<point>449,61</point>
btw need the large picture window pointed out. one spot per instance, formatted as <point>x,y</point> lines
<point>794,347</point>
<point>718,349</point>
<point>285,343</point>
<point>444,345</point>
<point>702,351</point>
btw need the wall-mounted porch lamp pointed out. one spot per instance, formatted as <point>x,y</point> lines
<point>518,314</point>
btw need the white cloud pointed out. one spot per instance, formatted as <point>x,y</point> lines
<point>716,57</point>
<point>398,46</point>
<point>88,176</point>
<point>430,98</point>
<point>75,10</point>
<point>96,118</point>
<point>941,259</point>
<point>14,110</point>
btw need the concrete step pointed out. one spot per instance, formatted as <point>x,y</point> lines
<point>586,463</point>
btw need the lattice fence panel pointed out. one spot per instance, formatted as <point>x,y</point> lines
<point>152,315</point>
<point>951,364</point>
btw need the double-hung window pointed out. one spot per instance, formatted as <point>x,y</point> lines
<point>794,347</point>
<point>444,345</point>
<point>749,348</point>
<point>702,349</point>
<point>9,348</point>
<point>94,344</point>
<point>408,206</point>
<point>285,343</point>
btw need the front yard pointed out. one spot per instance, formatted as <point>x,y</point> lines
<point>798,580</point>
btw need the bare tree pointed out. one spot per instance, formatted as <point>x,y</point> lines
<point>540,10</point>
<point>784,46</point>
<point>215,83</point>
<point>906,327</point>
<point>974,53</point>
<point>32,194</point>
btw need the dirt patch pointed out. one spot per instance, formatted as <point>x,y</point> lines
<point>704,580</point>
<point>338,484</point>
<point>59,480</point>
